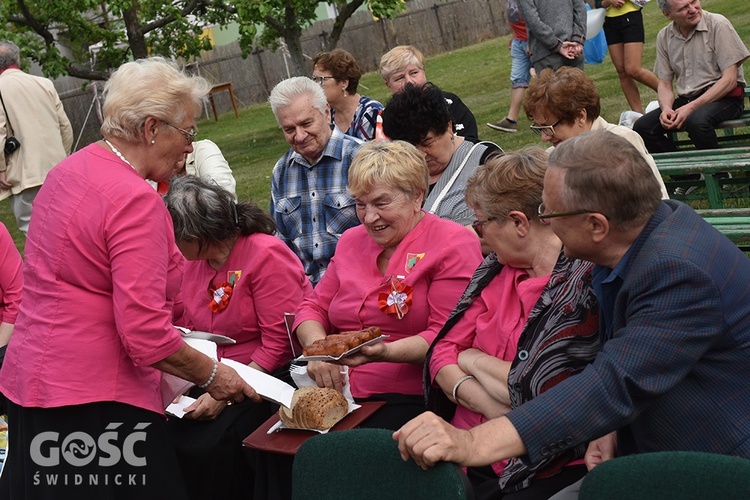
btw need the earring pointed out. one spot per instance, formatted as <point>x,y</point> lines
<point>345,94</point>
<point>153,142</point>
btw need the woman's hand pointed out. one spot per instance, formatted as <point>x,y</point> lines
<point>205,408</point>
<point>367,354</point>
<point>326,374</point>
<point>229,386</point>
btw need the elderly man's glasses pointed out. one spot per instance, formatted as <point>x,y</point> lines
<point>543,216</point>
<point>478,225</point>
<point>188,134</point>
<point>544,129</point>
<point>320,79</point>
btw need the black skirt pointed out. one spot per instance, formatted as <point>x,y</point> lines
<point>103,450</point>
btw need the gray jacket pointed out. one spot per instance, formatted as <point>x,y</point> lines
<point>552,22</point>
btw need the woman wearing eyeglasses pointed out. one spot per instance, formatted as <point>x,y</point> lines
<point>564,103</point>
<point>94,332</point>
<point>528,320</point>
<point>354,114</point>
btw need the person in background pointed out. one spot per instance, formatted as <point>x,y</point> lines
<point>34,115</point>
<point>208,162</point>
<point>623,28</point>
<point>405,64</point>
<point>520,68</point>
<point>309,202</point>
<point>11,285</point>
<point>338,73</point>
<point>239,281</point>
<point>528,320</point>
<point>94,332</point>
<point>556,30</point>
<point>565,103</point>
<point>702,54</point>
<point>420,261</point>
<point>419,116</point>
<point>675,321</point>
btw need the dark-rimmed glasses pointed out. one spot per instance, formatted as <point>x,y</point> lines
<point>478,225</point>
<point>188,134</point>
<point>320,79</point>
<point>543,217</point>
<point>544,129</point>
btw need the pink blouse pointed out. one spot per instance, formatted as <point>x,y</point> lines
<point>493,324</point>
<point>101,274</point>
<point>436,259</point>
<point>11,278</point>
<point>271,281</point>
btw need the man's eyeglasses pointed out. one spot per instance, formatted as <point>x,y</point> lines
<point>188,134</point>
<point>478,225</point>
<point>320,79</point>
<point>544,129</point>
<point>544,216</point>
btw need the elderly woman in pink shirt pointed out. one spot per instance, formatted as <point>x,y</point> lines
<point>398,251</point>
<point>94,332</point>
<point>528,320</point>
<point>239,281</point>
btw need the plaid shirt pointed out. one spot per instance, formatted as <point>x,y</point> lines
<point>310,204</point>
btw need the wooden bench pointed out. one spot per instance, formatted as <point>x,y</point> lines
<point>734,223</point>
<point>729,138</point>
<point>711,164</point>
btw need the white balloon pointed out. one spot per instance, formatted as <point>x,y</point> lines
<point>594,22</point>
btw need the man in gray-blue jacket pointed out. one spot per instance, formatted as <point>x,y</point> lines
<point>557,30</point>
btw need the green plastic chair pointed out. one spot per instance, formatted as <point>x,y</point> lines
<point>364,464</point>
<point>669,475</point>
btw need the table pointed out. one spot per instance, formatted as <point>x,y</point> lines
<point>220,87</point>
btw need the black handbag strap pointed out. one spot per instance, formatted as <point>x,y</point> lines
<point>7,118</point>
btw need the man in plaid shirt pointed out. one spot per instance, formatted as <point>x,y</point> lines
<point>309,201</point>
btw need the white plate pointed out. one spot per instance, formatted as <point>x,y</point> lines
<point>213,337</point>
<point>347,353</point>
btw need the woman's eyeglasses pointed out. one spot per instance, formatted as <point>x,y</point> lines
<point>188,134</point>
<point>544,129</point>
<point>478,225</point>
<point>320,79</point>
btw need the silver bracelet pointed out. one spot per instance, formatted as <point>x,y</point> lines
<point>211,378</point>
<point>458,383</point>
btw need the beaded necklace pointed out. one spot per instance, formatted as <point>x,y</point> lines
<point>119,155</point>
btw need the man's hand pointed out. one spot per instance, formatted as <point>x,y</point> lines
<point>681,114</point>
<point>600,450</point>
<point>666,118</point>
<point>570,50</point>
<point>429,439</point>
<point>4,181</point>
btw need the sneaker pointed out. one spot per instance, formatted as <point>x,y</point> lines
<point>681,191</point>
<point>504,125</point>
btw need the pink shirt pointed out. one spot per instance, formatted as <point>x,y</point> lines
<point>101,273</point>
<point>493,324</point>
<point>11,278</point>
<point>271,282</point>
<point>436,259</point>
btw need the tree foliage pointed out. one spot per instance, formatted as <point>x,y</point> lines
<point>57,34</point>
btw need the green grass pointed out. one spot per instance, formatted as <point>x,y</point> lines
<point>479,74</point>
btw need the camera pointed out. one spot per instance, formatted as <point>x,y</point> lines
<point>11,145</point>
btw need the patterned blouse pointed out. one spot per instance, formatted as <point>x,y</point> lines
<point>363,122</point>
<point>559,340</point>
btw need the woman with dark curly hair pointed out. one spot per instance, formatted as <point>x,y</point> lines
<point>564,103</point>
<point>354,114</point>
<point>419,115</point>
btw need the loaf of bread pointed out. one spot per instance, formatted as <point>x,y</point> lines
<point>337,344</point>
<point>314,408</point>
